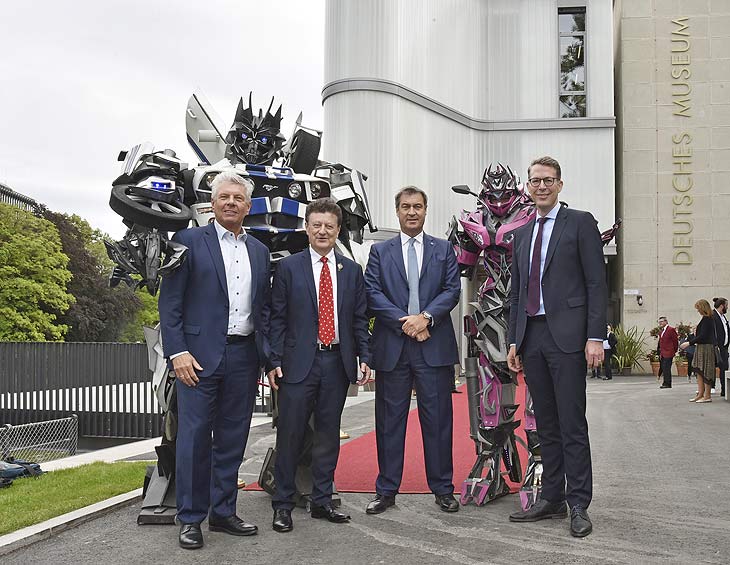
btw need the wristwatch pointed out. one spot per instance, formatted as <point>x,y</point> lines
<point>428,316</point>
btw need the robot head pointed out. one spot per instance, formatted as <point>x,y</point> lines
<point>500,190</point>
<point>255,140</point>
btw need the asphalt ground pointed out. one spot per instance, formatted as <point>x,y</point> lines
<point>661,495</point>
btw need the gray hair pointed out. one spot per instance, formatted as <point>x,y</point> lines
<point>229,177</point>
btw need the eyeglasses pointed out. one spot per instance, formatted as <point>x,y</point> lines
<point>548,181</point>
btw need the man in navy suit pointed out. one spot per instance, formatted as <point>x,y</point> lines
<point>319,329</point>
<point>557,326</point>
<point>214,318</point>
<point>412,284</point>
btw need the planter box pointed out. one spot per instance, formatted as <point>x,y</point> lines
<point>681,368</point>
<point>655,368</point>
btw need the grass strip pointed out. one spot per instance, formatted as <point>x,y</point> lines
<point>31,500</point>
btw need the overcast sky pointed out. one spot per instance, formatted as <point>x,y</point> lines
<point>81,80</point>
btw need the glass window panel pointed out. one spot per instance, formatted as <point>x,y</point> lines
<point>572,64</point>
<point>573,106</point>
<point>572,20</point>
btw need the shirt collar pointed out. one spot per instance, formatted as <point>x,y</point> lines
<point>221,231</point>
<point>316,257</point>
<point>405,238</point>
<point>552,214</point>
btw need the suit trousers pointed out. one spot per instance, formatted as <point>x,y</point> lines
<point>665,364</point>
<point>322,393</point>
<point>435,413</point>
<point>214,418</point>
<point>557,383</point>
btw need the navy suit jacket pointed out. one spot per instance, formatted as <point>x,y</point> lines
<point>439,288</point>
<point>193,301</point>
<point>574,288</point>
<point>295,317</point>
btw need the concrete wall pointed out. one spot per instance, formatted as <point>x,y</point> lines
<point>674,154</point>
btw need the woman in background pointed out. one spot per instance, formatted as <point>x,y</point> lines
<point>703,360</point>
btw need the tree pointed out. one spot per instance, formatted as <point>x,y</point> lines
<point>100,313</point>
<point>148,315</point>
<point>33,278</point>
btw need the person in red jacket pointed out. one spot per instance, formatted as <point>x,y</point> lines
<point>668,345</point>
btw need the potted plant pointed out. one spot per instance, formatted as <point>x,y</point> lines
<point>680,362</point>
<point>653,357</point>
<point>629,348</point>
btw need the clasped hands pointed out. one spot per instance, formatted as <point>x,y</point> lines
<point>276,373</point>
<point>415,326</point>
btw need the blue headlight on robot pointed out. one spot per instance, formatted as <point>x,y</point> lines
<point>295,190</point>
<point>161,185</point>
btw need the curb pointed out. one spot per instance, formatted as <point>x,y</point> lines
<point>37,532</point>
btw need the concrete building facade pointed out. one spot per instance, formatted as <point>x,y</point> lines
<point>673,156</point>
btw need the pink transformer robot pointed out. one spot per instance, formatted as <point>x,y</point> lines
<point>502,207</point>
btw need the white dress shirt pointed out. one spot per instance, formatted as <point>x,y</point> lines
<point>317,271</point>
<point>405,244</point>
<point>238,280</point>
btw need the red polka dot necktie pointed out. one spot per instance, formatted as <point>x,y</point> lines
<point>326,306</point>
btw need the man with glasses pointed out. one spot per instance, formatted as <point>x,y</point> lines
<point>557,326</point>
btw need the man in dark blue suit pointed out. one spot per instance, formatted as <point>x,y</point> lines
<point>557,326</point>
<point>319,329</point>
<point>412,284</point>
<point>214,318</point>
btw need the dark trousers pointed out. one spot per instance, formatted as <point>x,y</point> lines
<point>558,387</point>
<point>665,364</point>
<point>213,422</point>
<point>435,413</point>
<point>606,365</point>
<point>322,393</point>
<point>724,353</point>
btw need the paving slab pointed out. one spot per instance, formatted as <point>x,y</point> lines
<point>661,495</point>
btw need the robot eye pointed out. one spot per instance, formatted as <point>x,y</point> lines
<point>244,136</point>
<point>264,139</point>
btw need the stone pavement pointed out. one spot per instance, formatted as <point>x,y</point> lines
<point>661,495</point>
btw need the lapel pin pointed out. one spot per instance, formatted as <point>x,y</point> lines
<point>339,266</point>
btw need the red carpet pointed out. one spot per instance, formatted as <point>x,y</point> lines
<point>357,467</point>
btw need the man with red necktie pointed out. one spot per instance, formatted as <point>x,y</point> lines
<point>319,329</point>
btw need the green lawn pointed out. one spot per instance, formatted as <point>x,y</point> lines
<point>32,500</point>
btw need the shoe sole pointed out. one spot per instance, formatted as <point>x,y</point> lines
<point>231,532</point>
<point>283,530</point>
<point>580,535</point>
<point>445,509</point>
<point>546,517</point>
<point>192,546</point>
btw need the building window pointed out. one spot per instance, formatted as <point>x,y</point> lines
<point>572,28</point>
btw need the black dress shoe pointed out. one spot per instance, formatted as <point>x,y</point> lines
<point>232,525</point>
<point>666,386</point>
<point>447,502</point>
<point>542,510</point>
<point>330,513</point>
<point>379,504</point>
<point>580,523</point>
<point>606,378</point>
<point>282,521</point>
<point>190,536</point>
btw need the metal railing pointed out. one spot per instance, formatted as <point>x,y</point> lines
<point>107,385</point>
<point>40,441</point>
